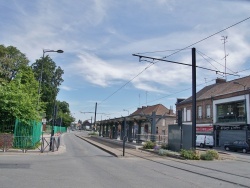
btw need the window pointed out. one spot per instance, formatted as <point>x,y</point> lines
<point>199,112</point>
<point>184,114</point>
<point>231,112</point>
<point>188,115</point>
<point>208,111</point>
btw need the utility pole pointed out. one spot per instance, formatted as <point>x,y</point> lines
<point>95,115</point>
<point>193,98</point>
<point>224,38</point>
<point>194,66</point>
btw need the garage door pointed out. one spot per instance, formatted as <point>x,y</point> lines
<point>231,135</point>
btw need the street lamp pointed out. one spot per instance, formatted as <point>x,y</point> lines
<point>39,89</point>
<point>126,110</point>
<point>245,100</point>
<point>41,74</point>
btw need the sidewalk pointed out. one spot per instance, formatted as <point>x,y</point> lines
<point>37,151</point>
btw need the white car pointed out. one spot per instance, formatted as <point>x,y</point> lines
<point>204,141</point>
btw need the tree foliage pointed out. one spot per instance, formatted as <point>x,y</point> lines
<point>19,86</point>
<point>64,113</point>
<point>11,60</point>
<point>50,76</point>
<point>18,98</point>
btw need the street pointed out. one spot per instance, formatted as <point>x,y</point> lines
<point>83,165</point>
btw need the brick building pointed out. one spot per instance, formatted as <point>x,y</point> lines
<point>164,115</point>
<point>222,110</point>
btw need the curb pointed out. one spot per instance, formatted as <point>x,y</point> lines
<point>100,146</point>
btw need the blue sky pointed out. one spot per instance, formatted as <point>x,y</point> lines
<point>99,37</point>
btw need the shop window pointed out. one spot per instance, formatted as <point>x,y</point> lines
<point>231,112</point>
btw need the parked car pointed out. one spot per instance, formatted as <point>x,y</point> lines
<point>238,145</point>
<point>205,141</point>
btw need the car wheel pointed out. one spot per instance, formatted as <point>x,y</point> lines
<point>202,145</point>
<point>227,148</point>
<point>244,150</point>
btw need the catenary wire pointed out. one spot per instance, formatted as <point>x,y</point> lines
<point>173,54</point>
<point>202,54</point>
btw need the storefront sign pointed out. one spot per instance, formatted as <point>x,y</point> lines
<point>231,127</point>
<point>204,129</point>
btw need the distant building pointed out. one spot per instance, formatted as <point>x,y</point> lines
<point>164,116</point>
<point>147,122</point>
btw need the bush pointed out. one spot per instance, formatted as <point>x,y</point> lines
<point>164,146</point>
<point>210,155</point>
<point>149,145</point>
<point>93,134</point>
<point>190,154</point>
<point>163,152</point>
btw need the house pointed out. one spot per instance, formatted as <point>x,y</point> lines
<point>147,122</point>
<point>222,110</point>
<point>164,116</point>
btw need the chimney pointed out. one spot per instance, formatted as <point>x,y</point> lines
<point>179,100</point>
<point>220,80</point>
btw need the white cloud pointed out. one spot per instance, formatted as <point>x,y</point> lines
<point>66,88</point>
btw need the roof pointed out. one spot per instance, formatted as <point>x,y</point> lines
<point>140,113</point>
<point>159,109</point>
<point>221,88</point>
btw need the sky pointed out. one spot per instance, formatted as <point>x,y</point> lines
<point>99,38</point>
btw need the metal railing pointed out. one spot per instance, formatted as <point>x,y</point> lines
<point>6,142</point>
<point>152,137</point>
<point>25,143</point>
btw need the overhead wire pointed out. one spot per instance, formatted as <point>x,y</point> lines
<point>202,54</point>
<point>183,90</point>
<point>206,37</point>
<point>179,50</point>
<point>127,83</point>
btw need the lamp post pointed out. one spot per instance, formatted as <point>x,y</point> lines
<point>245,100</point>
<point>39,89</point>
<point>126,110</point>
<point>41,74</point>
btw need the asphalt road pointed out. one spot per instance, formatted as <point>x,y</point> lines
<point>83,165</point>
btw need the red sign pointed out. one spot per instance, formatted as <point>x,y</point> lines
<point>204,129</point>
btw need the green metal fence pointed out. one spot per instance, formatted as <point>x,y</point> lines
<point>27,136</point>
<point>59,129</point>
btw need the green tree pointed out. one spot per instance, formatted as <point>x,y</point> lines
<point>64,107</point>
<point>67,119</point>
<point>64,113</point>
<point>11,60</point>
<point>18,98</point>
<point>50,82</point>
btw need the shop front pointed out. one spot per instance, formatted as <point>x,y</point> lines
<point>229,133</point>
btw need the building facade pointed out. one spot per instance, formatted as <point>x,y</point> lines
<point>164,117</point>
<point>222,110</point>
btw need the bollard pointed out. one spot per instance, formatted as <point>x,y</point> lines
<point>124,140</point>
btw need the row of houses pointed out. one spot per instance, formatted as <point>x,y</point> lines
<point>222,111</point>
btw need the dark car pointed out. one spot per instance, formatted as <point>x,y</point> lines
<point>238,145</point>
